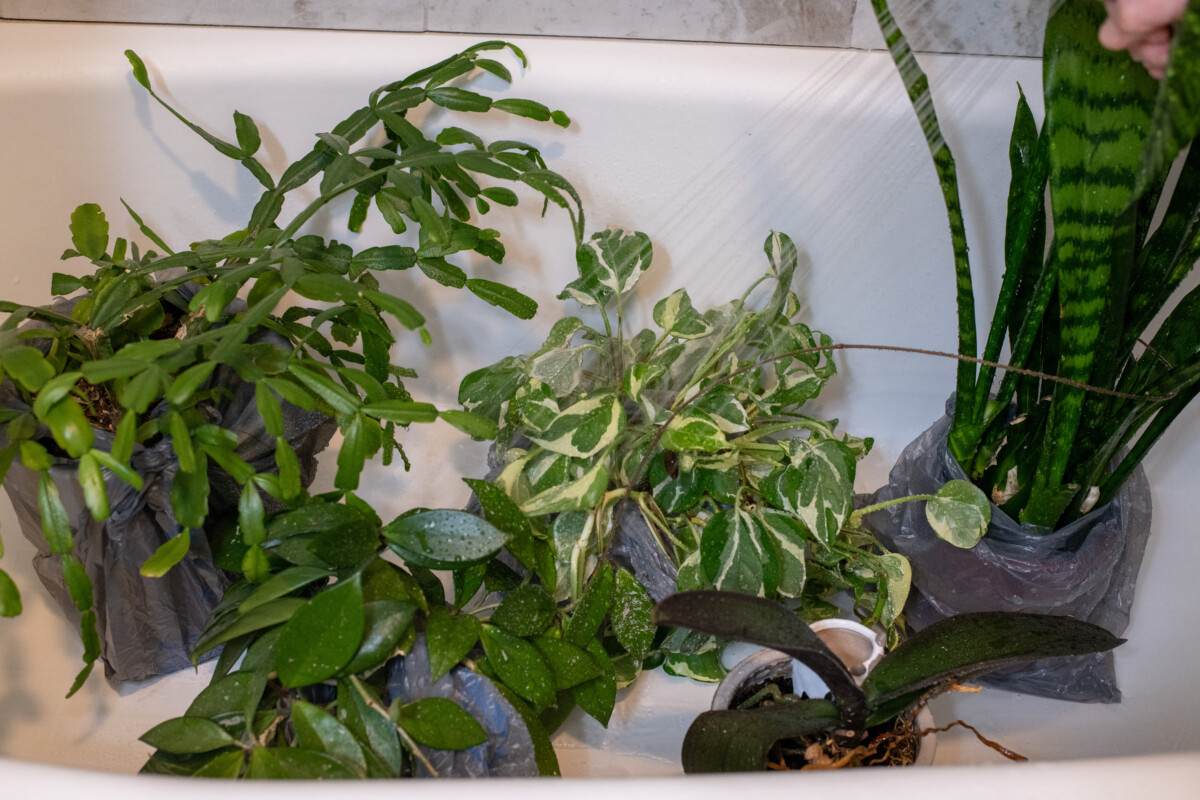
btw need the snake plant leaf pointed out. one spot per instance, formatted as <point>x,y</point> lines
<point>1176,118</point>
<point>973,644</point>
<point>959,514</point>
<point>739,740</point>
<point>1098,109</point>
<point>743,618</point>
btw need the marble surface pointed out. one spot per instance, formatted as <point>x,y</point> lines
<point>978,27</point>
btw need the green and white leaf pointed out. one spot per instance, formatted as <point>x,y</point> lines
<point>677,317</point>
<point>583,492</point>
<point>585,428</point>
<point>959,514</point>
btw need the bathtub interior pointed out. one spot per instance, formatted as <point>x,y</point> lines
<point>705,147</point>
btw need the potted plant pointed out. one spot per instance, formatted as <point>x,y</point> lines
<point>156,402</point>
<point>352,666</point>
<point>682,454</point>
<point>1102,351</point>
<point>855,725</point>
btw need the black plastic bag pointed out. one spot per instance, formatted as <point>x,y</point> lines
<point>147,626</point>
<point>1087,569</point>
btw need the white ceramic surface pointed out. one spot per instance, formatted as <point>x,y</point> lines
<point>706,148</point>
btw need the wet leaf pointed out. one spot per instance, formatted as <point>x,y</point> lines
<point>439,723</point>
<point>322,635</point>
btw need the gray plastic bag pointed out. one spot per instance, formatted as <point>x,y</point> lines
<point>508,752</point>
<point>147,626</point>
<point>1087,569</point>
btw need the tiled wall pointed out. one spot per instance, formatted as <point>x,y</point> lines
<point>992,27</point>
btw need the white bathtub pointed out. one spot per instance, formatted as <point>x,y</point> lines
<point>705,147</point>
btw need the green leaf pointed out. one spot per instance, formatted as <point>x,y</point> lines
<point>385,623</point>
<point>91,481</point>
<point>449,637</point>
<point>10,596</point>
<point>267,615</point>
<point>283,583</point>
<point>56,525</point>
<point>570,665</point>
<point>743,618</point>
<point>247,134</point>
<point>731,553</point>
<point>584,492</point>
<point>519,305</point>
<point>61,284</point>
<point>631,615</point>
<point>250,515</point>
<point>677,317</point>
<point>89,231</point>
<point>352,455</point>
<point>187,735</point>
<point>519,665</point>
<point>168,554</point>
<point>402,412</point>
<point>79,585</point>
<point>817,487</point>
<point>959,514</point>
<point>320,731</point>
<point>523,108</point>
<point>368,725</point>
<point>443,539</point>
<point>694,430</point>
<point>526,611</point>
<point>592,607</point>
<point>295,763</point>
<point>439,723</point>
<point>255,564</point>
<point>973,644</point>
<point>27,366</point>
<point>586,427</point>
<point>337,396</point>
<point>401,309</point>
<point>322,636</point>
<point>188,382</point>
<point>478,427</point>
<point>459,99</point>
<point>739,740</point>
<point>598,696</point>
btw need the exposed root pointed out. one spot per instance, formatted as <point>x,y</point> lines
<point>999,748</point>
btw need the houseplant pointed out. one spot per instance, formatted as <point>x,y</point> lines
<point>845,727</point>
<point>156,347</point>
<point>682,452</point>
<point>1102,353</point>
<point>353,666</point>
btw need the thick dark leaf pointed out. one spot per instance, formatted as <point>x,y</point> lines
<point>592,607</point>
<point>973,644</point>
<point>739,740</point>
<point>187,735</point>
<point>320,731</point>
<point>386,621</point>
<point>526,611</point>
<point>294,763</point>
<point>742,618</point>
<point>519,665</point>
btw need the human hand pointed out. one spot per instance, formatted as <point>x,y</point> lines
<point>1144,28</point>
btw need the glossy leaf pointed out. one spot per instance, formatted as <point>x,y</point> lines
<point>519,665</point>
<point>320,731</point>
<point>631,614</point>
<point>739,740</point>
<point>187,735</point>
<point>443,539</point>
<point>168,554</point>
<point>592,607</point>
<point>439,723</point>
<point>385,623</point>
<point>322,635</point>
<point>959,514</point>
<point>449,637</point>
<point>525,611</point>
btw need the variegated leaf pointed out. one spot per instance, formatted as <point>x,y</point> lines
<point>561,369</point>
<point>694,430</point>
<point>586,427</point>
<point>536,405</point>
<point>899,581</point>
<point>960,514</point>
<point>614,259</point>
<point>677,317</point>
<point>584,492</point>
<point>731,552</point>
<point>818,487</point>
<point>789,537</point>
<point>725,408</point>
<point>639,376</point>
<point>797,386</point>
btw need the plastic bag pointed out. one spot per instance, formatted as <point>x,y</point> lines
<point>147,626</point>
<point>508,752</point>
<point>1087,569</point>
